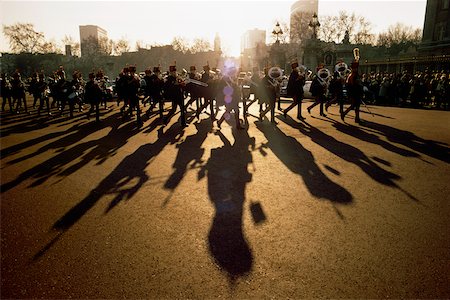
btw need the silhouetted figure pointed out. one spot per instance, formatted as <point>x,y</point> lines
<point>5,92</point>
<point>355,92</point>
<point>295,90</point>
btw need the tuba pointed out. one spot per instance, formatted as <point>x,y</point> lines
<point>275,73</point>
<point>342,69</point>
<point>323,75</point>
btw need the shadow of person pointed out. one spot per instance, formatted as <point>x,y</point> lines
<point>433,149</point>
<point>132,169</point>
<point>228,175</point>
<point>189,151</point>
<point>301,161</point>
<point>350,154</point>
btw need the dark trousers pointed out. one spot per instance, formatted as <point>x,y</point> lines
<point>297,101</point>
<point>356,103</point>
<point>43,100</point>
<point>320,99</point>
<point>179,101</point>
<point>7,98</point>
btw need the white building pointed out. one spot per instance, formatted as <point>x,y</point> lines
<point>251,38</point>
<point>91,34</point>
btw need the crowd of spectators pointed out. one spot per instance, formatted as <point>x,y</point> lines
<point>428,89</point>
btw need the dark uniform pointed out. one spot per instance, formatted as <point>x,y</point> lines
<point>5,92</point>
<point>174,92</point>
<point>155,90</point>
<point>295,90</point>
<point>269,93</point>
<point>337,92</point>
<point>318,90</point>
<point>132,90</point>
<point>355,92</point>
<point>92,95</point>
<point>232,97</point>
<point>43,93</point>
<point>18,92</point>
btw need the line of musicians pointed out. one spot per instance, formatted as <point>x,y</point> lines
<point>209,89</point>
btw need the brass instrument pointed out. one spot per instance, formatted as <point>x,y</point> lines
<point>356,54</point>
<point>342,69</point>
<point>323,75</point>
<point>275,73</point>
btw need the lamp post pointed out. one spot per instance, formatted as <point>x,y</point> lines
<point>314,23</point>
<point>277,31</point>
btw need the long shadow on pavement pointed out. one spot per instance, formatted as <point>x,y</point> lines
<point>227,175</point>
<point>348,153</point>
<point>131,168</point>
<point>301,161</point>
<point>433,149</point>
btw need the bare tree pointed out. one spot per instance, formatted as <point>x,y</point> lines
<point>333,28</point>
<point>49,47</point>
<point>299,30</point>
<point>69,40</point>
<point>23,38</point>
<point>105,46</point>
<point>200,45</point>
<point>121,46</point>
<point>180,44</point>
<point>399,34</point>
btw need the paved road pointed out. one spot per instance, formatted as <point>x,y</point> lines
<point>302,209</point>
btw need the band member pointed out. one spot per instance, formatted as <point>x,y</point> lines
<point>147,87</point>
<point>155,88</point>
<point>18,92</point>
<point>68,92</point>
<point>208,93</point>
<point>232,97</point>
<point>43,92</point>
<point>192,88</point>
<point>269,93</point>
<point>355,92</point>
<point>132,88</point>
<point>32,88</point>
<point>295,90</point>
<point>121,83</point>
<point>336,90</point>
<point>255,89</point>
<point>92,95</point>
<point>5,92</point>
<point>174,91</point>
<point>318,89</point>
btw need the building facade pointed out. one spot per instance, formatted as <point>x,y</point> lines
<point>436,29</point>
<point>90,38</point>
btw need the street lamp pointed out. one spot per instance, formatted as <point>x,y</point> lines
<point>277,31</point>
<point>314,23</point>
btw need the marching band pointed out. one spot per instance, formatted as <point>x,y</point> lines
<point>208,91</point>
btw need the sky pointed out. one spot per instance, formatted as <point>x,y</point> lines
<point>158,22</point>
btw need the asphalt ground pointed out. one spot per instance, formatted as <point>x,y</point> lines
<point>311,209</point>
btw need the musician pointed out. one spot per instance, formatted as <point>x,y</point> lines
<point>155,89</point>
<point>232,96</point>
<point>337,91</point>
<point>192,88</point>
<point>5,91</point>
<point>147,87</point>
<point>68,92</point>
<point>174,91</point>
<point>295,90</point>
<point>32,88</point>
<point>121,88</point>
<point>318,89</point>
<point>207,92</point>
<point>18,92</point>
<point>355,92</point>
<point>42,94</point>
<point>93,95</point>
<point>255,89</point>
<point>269,93</point>
<point>132,89</point>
